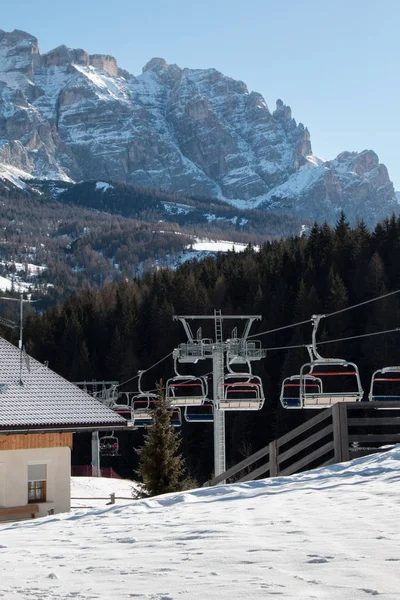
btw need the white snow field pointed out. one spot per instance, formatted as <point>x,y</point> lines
<point>95,491</point>
<point>331,533</point>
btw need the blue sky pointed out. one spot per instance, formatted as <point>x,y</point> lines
<point>335,63</point>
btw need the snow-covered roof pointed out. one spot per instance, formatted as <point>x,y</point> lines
<point>44,400</point>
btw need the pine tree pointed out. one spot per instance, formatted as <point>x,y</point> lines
<point>161,465</point>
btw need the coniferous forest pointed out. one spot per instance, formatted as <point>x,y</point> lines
<point>109,333</point>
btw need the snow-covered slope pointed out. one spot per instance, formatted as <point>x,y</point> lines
<point>200,248</point>
<point>70,115</point>
<point>95,491</point>
<point>15,176</point>
<point>332,533</point>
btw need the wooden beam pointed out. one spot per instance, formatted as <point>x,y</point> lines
<point>11,512</point>
<point>340,432</point>
<point>28,441</point>
<point>288,437</point>
<point>380,438</point>
<point>304,462</point>
<point>300,446</point>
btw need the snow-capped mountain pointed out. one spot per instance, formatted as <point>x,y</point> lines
<point>73,116</point>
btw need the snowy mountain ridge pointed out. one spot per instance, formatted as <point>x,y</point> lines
<point>73,116</point>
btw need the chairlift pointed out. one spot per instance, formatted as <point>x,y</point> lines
<point>340,379</point>
<point>176,416</point>
<point>142,405</point>
<point>200,414</point>
<point>185,390</point>
<point>385,385</point>
<point>241,391</point>
<point>143,410</point>
<point>122,404</point>
<point>109,445</point>
<point>290,390</point>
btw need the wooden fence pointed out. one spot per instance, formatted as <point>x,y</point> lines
<point>327,438</point>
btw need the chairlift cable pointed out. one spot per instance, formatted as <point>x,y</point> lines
<point>279,328</point>
<point>145,370</point>
<point>324,316</point>
<point>354,337</point>
<point>345,339</point>
<point>336,312</point>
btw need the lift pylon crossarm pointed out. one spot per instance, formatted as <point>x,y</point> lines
<point>242,351</point>
<point>192,352</point>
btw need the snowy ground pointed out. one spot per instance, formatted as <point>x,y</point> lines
<point>95,491</point>
<point>332,533</point>
<point>200,248</point>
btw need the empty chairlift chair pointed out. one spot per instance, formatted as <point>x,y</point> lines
<point>385,385</point>
<point>186,390</point>
<point>122,404</point>
<point>200,414</point>
<point>176,416</point>
<point>340,379</point>
<point>340,383</point>
<point>290,390</point>
<point>109,445</point>
<point>240,391</point>
<point>143,404</point>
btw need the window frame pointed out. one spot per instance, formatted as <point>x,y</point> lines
<point>37,483</point>
<point>40,491</point>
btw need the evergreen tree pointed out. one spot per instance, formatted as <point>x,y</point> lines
<point>161,465</point>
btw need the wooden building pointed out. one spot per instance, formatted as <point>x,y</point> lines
<point>39,412</point>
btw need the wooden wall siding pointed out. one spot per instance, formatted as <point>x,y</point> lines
<point>35,440</point>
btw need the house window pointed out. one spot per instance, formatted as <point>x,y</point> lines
<point>36,491</point>
<point>37,478</point>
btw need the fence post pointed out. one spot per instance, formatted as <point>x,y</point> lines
<point>273,458</point>
<point>340,432</point>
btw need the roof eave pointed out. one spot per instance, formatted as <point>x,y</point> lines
<point>72,429</point>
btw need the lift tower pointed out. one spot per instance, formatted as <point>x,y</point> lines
<point>235,350</point>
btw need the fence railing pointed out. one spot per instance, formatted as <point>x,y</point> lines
<point>87,471</point>
<point>324,439</point>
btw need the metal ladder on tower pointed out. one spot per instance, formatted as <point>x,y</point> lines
<point>219,415</point>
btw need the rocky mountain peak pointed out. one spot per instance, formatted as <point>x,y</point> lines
<point>62,55</point>
<point>19,51</point>
<point>282,111</point>
<point>155,64</point>
<point>71,115</point>
<point>106,63</point>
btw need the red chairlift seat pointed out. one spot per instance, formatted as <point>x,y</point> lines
<point>340,384</point>
<point>338,379</point>
<point>385,384</point>
<point>290,390</point>
<point>142,409</point>
<point>241,391</point>
<point>186,390</point>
